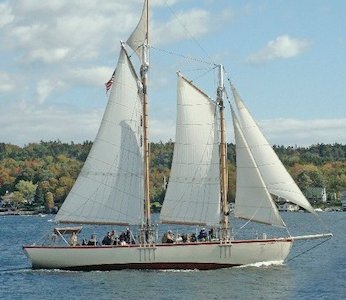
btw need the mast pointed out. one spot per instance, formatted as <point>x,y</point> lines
<point>144,79</point>
<point>223,159</point>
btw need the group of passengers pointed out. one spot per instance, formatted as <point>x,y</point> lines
<point>203,236</point>
<point>111,238</point>
<point>126,238</point>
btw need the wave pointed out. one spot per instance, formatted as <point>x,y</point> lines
<point>263,264</point>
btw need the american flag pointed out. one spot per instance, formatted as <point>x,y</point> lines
<point>109,83</point>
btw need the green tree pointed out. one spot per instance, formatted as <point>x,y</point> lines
<point>304,181</point>
<point>27,189</point>
<point>39,195</point>
<point>49,201</point>
<point>27,174</point>
<point>18,198</point>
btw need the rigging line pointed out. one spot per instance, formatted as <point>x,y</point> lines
<point>228,77</point>
<point>43,238</point>
<point>196,69</point>
<point>313,247</point>
<point>203,74</point>
<point>188,32</point>
<point>230,84</point>
<point>289,233</point>
<point>184,56</point>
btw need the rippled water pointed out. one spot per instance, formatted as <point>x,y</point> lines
<point>317,274</point>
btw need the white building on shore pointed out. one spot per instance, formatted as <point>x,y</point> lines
<point>284,205</point>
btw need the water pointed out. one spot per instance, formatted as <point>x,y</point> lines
<point>318,274</point>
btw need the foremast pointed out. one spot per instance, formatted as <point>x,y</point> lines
<point>144,78</point>
<point>139,42</point>
<point>224,224</point>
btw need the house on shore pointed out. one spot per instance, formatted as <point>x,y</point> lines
<point>284,205</point>
<point>6,199</point>
<point>6,202</point>
<point>316,195</point>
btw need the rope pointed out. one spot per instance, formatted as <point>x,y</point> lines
<point>188,32</point>
<point>308,250</point>
<point>203,74</point>
<point>209,63</point>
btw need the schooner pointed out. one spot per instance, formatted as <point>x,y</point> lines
<point>113,185</point>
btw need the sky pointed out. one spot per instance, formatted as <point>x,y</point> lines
<point>286,59</point>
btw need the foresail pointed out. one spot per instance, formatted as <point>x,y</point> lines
<point>193,193</point>
<point>276,178</point>
<point>109,189</point>
<point>140,35</point>
<point>252,201</point>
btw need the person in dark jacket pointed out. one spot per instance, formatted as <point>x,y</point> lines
<point>203,235</point>
<point>107,240</point>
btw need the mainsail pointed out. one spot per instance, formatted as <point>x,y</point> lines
<point>252,200</point>
<point>109,189</point>
<point>193,193</point>
<point>274,175</point>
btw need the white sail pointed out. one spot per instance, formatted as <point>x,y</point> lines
<point>276,178</point>
<point>193,193</point>
<point>252,200</point>
<point>139,36</point>
<point>109,189</point>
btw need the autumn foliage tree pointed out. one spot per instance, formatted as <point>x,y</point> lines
<point>46,171</point>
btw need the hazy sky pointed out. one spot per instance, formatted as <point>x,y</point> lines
<point>286,58</point>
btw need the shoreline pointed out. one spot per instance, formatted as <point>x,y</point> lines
<point>40,213</point>
<point>21,213</point>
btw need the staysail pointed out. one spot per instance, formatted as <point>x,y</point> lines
<point>193,193</point>
<point>252,200</point>
<point>275,176</point>
<point>109,189</point>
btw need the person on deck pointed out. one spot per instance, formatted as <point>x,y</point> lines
<point>168,237</point>
<point>211,234</point>
<point>114,237</point>
<point>203,235</point>
<point>184,237</point>
<point>92,241</point>
<point>107,240</point>
<point>73,239</point>
<point>128,236</point>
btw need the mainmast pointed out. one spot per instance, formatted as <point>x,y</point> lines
<point>144,79</point>
<point>223,159</point>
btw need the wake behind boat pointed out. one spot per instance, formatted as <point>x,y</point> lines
<point>113,185</point>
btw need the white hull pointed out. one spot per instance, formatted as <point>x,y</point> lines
<point>203,256</point>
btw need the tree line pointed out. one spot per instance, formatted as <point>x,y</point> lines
<point>44,172</point>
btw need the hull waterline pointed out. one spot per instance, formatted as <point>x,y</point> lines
<point>202,256</point>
